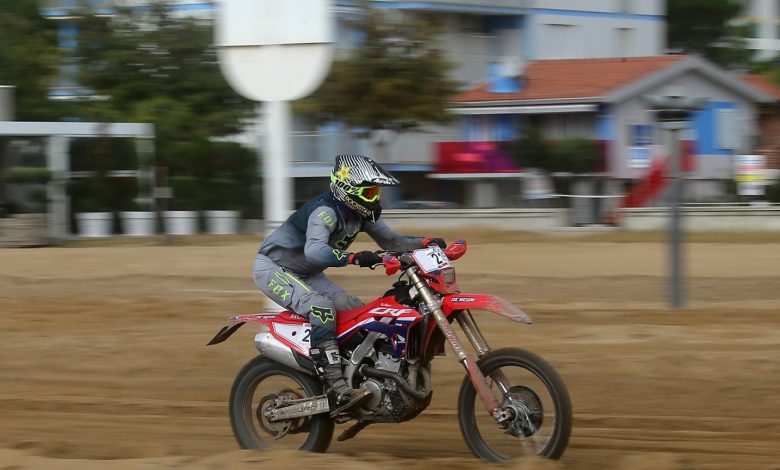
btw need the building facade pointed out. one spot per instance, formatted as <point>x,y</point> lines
<point>764,17</point>
<point>603,100</point>
<point>477,36</point>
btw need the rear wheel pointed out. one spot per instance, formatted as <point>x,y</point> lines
<point>258,385</point>
<point>534,402</point>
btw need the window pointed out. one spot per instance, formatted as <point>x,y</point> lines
<point>754,29</point>
<point>640,135</point>
<point>472,25</point>
<point>624,42</point>
<point>640,138</point>
<point>777,19</point>
<point>560,41</point>
<point>727,128</point>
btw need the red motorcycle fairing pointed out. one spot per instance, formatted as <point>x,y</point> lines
<point>293,330</point>
<point>350,321</point>
<point>454,302</point>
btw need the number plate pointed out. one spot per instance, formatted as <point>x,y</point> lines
<point>431,259</point>
<point>295,334</point>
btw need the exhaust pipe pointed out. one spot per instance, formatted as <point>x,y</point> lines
<point>274,349</point>
<point>368,371</point>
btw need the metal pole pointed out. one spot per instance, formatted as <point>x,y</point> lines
<point>673,111</point>
<point>277,187</point>
<point>58,210</point>
<point>677,280</point>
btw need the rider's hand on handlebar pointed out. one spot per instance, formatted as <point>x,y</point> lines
<point>434,241</point>
<point>364,259</point>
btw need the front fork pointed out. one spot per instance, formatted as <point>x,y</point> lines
<point>473,334</point>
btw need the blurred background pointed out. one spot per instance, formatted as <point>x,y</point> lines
<point>519,125</point>
<point>116,119</point>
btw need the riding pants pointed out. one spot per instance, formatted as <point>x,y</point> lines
<point>314,296</point>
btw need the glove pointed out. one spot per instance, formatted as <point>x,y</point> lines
<point>365,259</point>
<point>434,241</point>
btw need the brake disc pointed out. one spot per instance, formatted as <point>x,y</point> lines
<point>279,429</point>
<point>527,411</point>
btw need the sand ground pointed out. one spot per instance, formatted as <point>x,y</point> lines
<point>103,362</point>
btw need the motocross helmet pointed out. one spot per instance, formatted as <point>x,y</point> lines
<point>355,183</point>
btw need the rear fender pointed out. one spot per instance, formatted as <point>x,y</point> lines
<point>236,322</point>
<point>454,302</point>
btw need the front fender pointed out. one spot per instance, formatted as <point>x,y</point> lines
<point>493,303</point>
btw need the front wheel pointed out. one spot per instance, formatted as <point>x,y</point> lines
<point>533,400</point>
<point>257,386</point>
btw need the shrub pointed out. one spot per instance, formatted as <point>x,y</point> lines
<point>773,191</point>
<point>189,193</point>
<point>27,174</point>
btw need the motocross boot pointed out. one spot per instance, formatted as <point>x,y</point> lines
<point>327,362</point>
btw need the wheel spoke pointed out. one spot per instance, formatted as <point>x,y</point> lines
<point>503,383</point>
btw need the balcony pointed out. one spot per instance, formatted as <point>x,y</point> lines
<point>486,7</point>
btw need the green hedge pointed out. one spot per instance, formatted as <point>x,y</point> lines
<point>773,191</point>
<point>27,174</point>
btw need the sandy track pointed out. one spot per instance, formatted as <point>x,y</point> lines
<point>104,357</point>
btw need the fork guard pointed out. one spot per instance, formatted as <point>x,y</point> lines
<point>454,302</point>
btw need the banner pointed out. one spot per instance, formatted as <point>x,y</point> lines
<point>749,173</point>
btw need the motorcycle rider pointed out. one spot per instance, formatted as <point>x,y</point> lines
<point>290,262</point>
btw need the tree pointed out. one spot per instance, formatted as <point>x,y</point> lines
<point>149,65</point>
<point>706,27</point>
<point>770,68</point>
<point>155,67</point>
<point>29,58</point>
<point>395,80</point>
<point>569,155</point>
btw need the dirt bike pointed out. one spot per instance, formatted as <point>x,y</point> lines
<point>387,347</point>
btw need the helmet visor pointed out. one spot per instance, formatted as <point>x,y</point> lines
<point>369,193</point>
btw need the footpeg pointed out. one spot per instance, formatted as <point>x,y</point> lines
<point>356,401</point>
<point>352,431</point>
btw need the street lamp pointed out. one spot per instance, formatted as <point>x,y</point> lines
<point>673,113</point>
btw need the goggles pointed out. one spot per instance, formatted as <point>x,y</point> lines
<point>366,193</point>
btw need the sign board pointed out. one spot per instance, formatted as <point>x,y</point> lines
<point>749,173</point>
<point>639,157</point>
<point>274,50</point>
<point>267,22</point>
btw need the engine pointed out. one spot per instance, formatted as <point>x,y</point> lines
<point>400,388</point>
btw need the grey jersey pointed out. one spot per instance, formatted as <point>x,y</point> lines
<point>319,234</point>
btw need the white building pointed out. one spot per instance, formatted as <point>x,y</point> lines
<point>482,37</point>
<point>764,15</point>
<point>478,33</point>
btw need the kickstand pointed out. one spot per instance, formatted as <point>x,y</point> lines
<point>352,431</point>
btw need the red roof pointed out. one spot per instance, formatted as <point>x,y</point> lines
<point>575,78</point>
<point>763,83</point>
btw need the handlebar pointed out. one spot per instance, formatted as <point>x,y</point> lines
<point>393,261</point>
